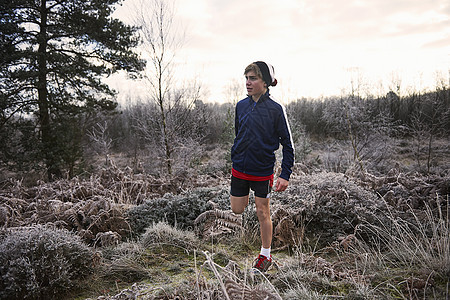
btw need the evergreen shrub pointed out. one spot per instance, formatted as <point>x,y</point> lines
<point>177,210</point>
<point>39,262</point>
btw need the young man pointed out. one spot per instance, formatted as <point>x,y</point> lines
<point>260,125</point>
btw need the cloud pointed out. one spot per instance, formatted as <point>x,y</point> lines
<point>311,43</point>
<point>439,43</point>
<point>368,19</point>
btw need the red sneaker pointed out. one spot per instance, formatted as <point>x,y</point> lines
<point>262,263</point>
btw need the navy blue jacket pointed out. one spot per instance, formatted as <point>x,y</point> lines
<point>260,128</point>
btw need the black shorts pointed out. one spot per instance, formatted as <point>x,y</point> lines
<point>241,187</point>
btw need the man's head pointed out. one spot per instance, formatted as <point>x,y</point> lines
<point>264,71</point>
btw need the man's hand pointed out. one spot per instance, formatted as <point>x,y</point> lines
<point>281,185</point>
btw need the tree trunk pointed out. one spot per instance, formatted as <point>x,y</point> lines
<point>44,114</point>
<point>353,138</point>
<point>164,124</point>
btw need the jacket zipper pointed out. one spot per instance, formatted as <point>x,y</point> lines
<point>245,157</point>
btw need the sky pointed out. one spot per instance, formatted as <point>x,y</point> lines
<point>318,48</point>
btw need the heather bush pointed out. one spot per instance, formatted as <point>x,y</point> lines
<point>180,210</point>
<point>39,262</point>
<point>162,233</point>
<point>134,261</point>
<point>125,262</point>
<point>328,206</point>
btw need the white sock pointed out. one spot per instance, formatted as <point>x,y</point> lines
<point>265,252</point>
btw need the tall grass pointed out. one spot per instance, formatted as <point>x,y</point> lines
<point>413,252</point>
<point>407,258</point>
<point>421,243</point>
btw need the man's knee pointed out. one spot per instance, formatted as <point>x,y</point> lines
<point>237,210</point>
<point>238,204</point>
<point>262,208</point>
<point>263,213</point>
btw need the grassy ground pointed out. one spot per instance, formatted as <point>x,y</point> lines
<point>341,235</point>
<point>404,265</point>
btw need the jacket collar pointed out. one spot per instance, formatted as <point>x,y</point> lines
<point>263,97</point>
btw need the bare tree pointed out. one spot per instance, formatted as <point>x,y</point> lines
<point>101,140</point>
<point>161,40</point>
<point>395,95</point>
<point>366,130</point>
<point>426,126</point>
<point>234,91</point>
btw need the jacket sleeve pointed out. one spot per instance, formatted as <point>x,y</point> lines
<point>286,141</point>
<point>236,121</point>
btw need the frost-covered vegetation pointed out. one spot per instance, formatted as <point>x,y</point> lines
<point>120,235</point>
<point>366,214</point>
<point>99,201</point>
<point>41,262</point>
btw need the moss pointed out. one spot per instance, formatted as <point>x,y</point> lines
<point>221,259</point>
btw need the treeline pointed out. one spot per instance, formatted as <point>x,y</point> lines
<point>136,130</point>
<point>138,126</point>
<point>331,117</point>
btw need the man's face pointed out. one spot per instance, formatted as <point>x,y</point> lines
<point>255,85</point>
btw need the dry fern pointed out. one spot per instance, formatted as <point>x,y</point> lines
<point>235,288</point>
<point>285,231</point>
<point>49,204</point>
<point>107,238</point>
<point>238,291</point>
<point>214,223</point>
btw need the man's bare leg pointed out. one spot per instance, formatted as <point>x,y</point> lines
<point>238,204</point>
<point>265,221</point>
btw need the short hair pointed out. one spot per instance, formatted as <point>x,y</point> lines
<point>253,67</point>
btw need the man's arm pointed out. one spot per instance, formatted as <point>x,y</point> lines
<point>285,135</point>
<point>236,121</point>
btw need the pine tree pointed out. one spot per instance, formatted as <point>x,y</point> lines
<point>53,57</point>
